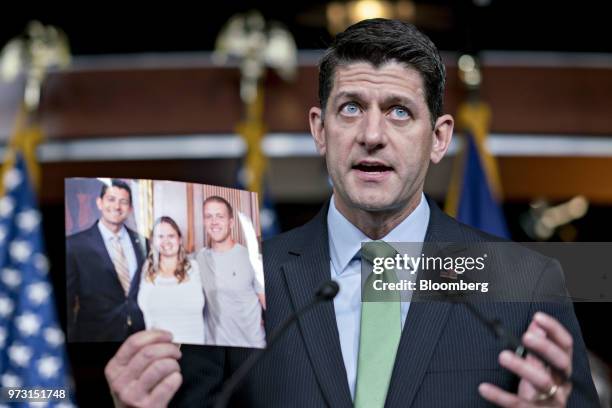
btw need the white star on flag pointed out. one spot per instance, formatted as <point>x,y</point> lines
<point>12,178</point>
<point>41,263</point>
<point>20,250</point>
<point>20,355</point>
<point>2,337</point>
<point>267,217</point>
<point>38,404</point>
<point>48,366</point>
<point>64,404</point>
<point>54,336</point>
<point>6,306</point>
<point>10,380</point>
<point>7,204</point>
<point>28,324</point>
<point>11,277</point>
<point>38,292</point>
<point>27,220</point>
<point>2,234</point>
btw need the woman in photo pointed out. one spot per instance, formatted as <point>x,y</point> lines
<point>171,296</point>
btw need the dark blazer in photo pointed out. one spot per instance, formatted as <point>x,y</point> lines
<point>98,309</point>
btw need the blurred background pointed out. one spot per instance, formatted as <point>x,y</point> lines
<point>175,92</point>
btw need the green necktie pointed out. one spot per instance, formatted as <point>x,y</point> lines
<point>381,328</point>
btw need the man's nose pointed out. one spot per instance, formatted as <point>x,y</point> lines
<point>373,132</point>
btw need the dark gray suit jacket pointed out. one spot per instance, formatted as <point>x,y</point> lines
<point>444,352</point>
<point>104,312</point>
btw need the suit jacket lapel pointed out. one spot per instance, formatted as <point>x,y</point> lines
<point>304,274</point>
<point>425,321</point>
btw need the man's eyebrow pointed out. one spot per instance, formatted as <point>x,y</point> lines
<point>394,99</point>
<point>351,95</point>
<point>398,100</point>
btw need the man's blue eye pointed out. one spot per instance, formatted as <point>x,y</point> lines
<point>350,108</point>
<point>400,113</point>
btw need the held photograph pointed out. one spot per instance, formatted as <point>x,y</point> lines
<point>156,254</point>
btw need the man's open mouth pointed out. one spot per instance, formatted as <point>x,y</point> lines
<point>372,167</point>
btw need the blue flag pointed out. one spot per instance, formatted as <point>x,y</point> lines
<point>32,351</point>
<point>475,192</point>
<point>477,205</point>
<point>269,219</point>
<point>270,225</point>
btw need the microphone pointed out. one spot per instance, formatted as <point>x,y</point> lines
<point>326,292</point>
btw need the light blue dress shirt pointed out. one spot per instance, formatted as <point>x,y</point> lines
<point>126,244</point>
<point>344,242</point>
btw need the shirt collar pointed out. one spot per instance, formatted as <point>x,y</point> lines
<point>345,239</point>
<point>107,234</point>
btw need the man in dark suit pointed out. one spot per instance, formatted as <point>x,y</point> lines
<point>380,124</point>
<point>103,266</point>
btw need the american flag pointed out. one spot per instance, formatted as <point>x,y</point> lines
<point>32,351</point>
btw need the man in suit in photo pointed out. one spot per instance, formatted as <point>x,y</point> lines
<point>379,124</point>
<point>103,266</point>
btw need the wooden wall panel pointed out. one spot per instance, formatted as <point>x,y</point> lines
<point>549,100</point>
<point>85,103</point>
<point>149,101</point>
<point>557,178</point>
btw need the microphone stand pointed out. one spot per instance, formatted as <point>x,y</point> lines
<point>326,292</point>
<point>511,342</point>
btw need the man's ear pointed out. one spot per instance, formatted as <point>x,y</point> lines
<point>99,203</point>
<point>442,135</point>
<point>317,129</point>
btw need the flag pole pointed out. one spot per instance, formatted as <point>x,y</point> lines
<point>31,54</point>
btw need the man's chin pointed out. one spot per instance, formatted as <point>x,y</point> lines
<point>373,203</point>
<point>219,240</point>
<point>115,222</point>
<point>375,207</point>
